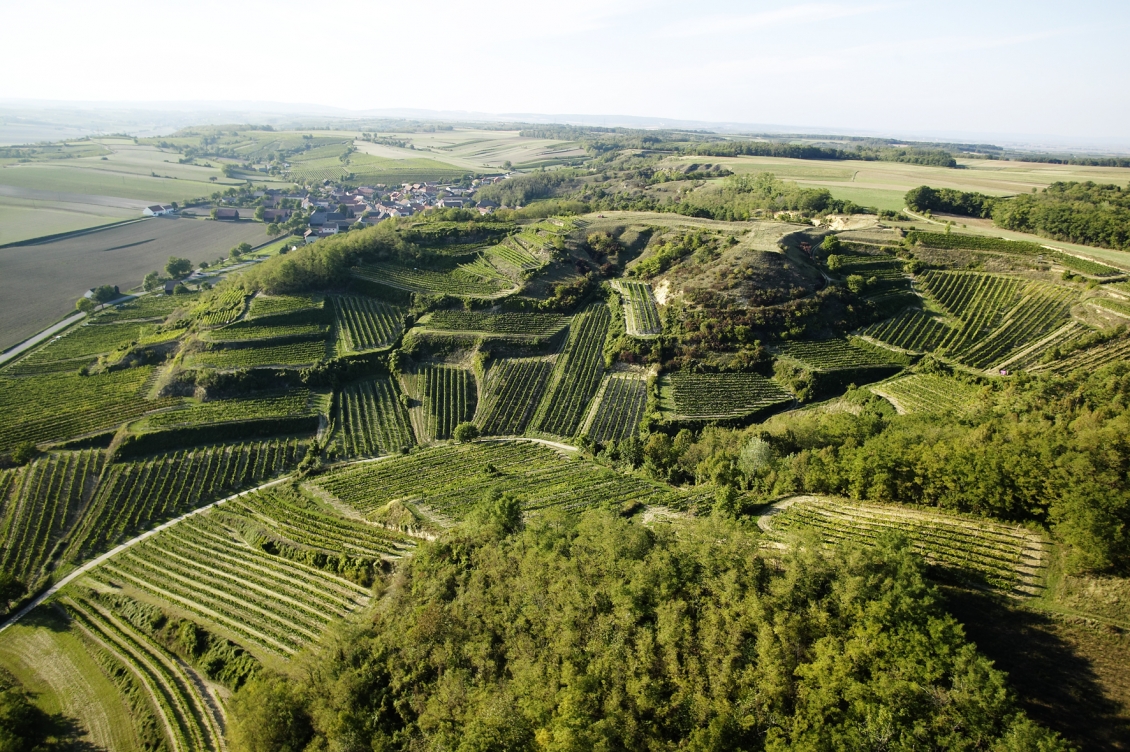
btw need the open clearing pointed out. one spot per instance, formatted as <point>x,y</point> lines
<point>40,282</point>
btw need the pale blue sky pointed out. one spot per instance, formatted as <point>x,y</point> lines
<point>956,68</point>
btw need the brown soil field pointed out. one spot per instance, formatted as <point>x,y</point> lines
<point>39,282</point>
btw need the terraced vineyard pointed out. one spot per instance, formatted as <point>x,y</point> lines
<point>133,496</point>
<point>577,374</point>
<point>995,317</point>
<point>977,549</point>
<point>1090,358</point>
<point>470,280</point>
<point>294,402</point>
<point>273,305</point>
<point>189,718</point>
<point>721,396</point>
<point>287,354</point>
<point>516,252</point>
<point>152,307</point>
<point>372,419</point>
<point>928,393</point>
<point>620,409</point>
<point>641,315</point>
<point>76,348</point>
<point>512,390</point>
<point>367,324</point>
<point>833,354</point>
<point>522,324</point>
<point>911,330</point>
<point>448,397</point>
<point>205,567</point>
<point>49,496</point>
<point>452,478</point>
<point>256,329</point>
<point>65,405</point>
<point>221,307</point>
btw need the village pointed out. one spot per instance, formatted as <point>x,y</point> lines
<point>317,213</point>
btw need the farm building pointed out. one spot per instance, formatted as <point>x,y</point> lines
<point>225,214</point>
<point>158,210</point>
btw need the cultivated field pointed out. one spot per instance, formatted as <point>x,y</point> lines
<point>40,282</point>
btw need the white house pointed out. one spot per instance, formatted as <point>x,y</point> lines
<point>158,210</point>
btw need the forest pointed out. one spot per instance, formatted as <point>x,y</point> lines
<point>588,632</point>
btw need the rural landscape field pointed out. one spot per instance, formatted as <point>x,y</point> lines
<point>354,425</point>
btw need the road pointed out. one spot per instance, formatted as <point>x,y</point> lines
<point>51,330</point>
<point>118,549</point>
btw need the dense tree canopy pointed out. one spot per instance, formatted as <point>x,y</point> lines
<point>593,632</point>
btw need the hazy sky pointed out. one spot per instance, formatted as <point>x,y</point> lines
<point>959,68</point>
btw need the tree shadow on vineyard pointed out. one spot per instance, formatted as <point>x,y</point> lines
<point>1057,684</point>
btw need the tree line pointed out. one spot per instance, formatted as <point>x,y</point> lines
<point>1088,213</point>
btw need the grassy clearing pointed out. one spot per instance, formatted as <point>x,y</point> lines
<point>52,661</point>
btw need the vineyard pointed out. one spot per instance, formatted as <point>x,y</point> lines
<point>1089,359</point>
<point>452,478</point>
<point>275,305</point>
<point>928,393</point>
<point>293,402</point>
<point>287,354</point>
<point>49,495</point>
<point>577,374</point>
<point>620,407</point>
<point>512,390</point>
<point>133,496</point>
<point>372,419</point>
<point>220,307</point>
<point>76,348</point>
<point>145,308</point>
<point>1016,247</point>
<point>174,691</point>
<point>207,567</point>
<point>61,406</point>
<point>475,280</point>
<point>834,354</point>
<point>367,324</point>
<point>641,315</point>
<point>517,253</point>
<point>721,396</point>
<point>257,330</point>
<point>994,317</point>
<point>520,324</point>
<point>447,397</point>
<point>976,548</point>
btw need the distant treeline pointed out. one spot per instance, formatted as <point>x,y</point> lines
<point>909,155</point>
<point>1087,213</point>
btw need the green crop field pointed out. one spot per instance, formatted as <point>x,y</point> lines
<point>372,418</point>
<point>977,549</point>
<point>720,396</point>
<point>620,408</point>
<point>450,479</point>
<point>367,324</point>
<point>576,375</point>
<point>512,390</point>
<point>641,316</point>
<point>927,393</point>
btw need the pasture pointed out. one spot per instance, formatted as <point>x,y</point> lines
<point>40,282</point>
